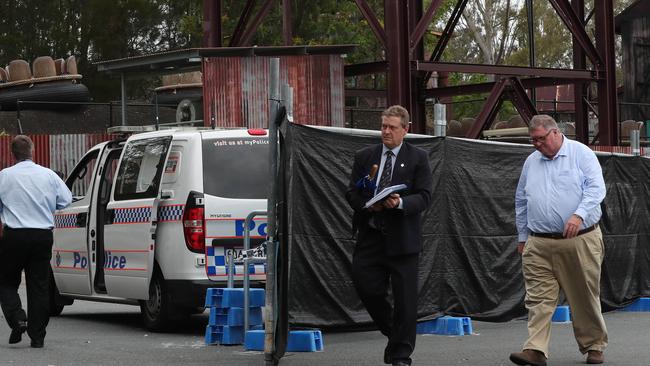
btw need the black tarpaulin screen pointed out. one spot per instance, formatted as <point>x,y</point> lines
<point>469,265</point>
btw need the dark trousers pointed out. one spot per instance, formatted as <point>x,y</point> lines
<point>372,273</point>
<point>29,250</point>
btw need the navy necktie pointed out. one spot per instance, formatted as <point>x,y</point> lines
<point>385,179</point>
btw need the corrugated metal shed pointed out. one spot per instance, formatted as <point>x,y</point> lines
<point>236,89</point>
<point>236,80</point>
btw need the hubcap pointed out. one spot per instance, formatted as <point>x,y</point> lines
<point>155,295</point>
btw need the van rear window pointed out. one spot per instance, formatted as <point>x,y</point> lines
<point>236,167</point>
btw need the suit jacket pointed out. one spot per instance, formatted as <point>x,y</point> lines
<point>401,228</point>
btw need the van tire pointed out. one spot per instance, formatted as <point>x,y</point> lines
<point>156,310</point>
<point>56,307</point>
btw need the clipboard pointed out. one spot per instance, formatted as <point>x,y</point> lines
<point>385,193</point>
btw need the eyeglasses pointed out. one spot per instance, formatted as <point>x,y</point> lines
<point>541,139</point>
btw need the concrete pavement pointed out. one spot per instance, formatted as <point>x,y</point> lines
<point>107,334</point>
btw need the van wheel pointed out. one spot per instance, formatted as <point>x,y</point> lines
<point>155,311</point>
<point>56,305</point>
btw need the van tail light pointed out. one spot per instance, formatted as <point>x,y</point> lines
<point>194,223</point>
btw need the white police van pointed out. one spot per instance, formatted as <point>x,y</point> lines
<point>153,217</point>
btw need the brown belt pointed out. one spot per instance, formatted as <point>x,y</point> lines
<point>561,235</point>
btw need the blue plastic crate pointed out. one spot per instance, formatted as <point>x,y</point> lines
<point>235,316</point>
<point>224,334</point>
<point>233,297</point>
<point>298,341</point>
<point>254,340</point>
<point>446,325</point>
<point>562,314</point>
<point>641,304</point>
<point>305,341</point>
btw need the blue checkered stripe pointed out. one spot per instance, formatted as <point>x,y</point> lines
<point>132,215</point>
<point>170,213</point>
<point>65,220</point>
<point>216,264</point>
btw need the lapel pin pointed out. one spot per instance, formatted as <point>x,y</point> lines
<point>402,165</point>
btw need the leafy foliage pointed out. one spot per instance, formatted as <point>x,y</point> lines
<point>490,31</point>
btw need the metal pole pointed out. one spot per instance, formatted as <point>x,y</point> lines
<point>531,43</point>
<point>213,118</point>
<point>123,91</point>
<point>157,115</point>
<point>20,126</point>
<point>287,98</point>
<point>635,144</point>
<point>231,269</point>
<point>110,114</point>
<point>271,301</point>
<point>247,246</point>
<point>439,119</point>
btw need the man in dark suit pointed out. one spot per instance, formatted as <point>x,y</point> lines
<point>389,232</point>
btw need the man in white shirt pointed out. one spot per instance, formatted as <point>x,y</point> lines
<point>557,206</point>
<point>29,196</point>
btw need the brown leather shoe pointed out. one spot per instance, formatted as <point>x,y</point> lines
<point>528,357</point>
<point>594,357</point>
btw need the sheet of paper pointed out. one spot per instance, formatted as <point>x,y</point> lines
<point>385,193</point>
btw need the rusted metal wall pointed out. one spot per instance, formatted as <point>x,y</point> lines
<point>556,98</point>
<point>236,92</point>
<point>57,152</point>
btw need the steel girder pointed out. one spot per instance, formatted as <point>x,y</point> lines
<point>407,70</point>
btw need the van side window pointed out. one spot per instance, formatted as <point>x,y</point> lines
<point>141,168</point>
<point>236,167</point>
<point>79,180</point>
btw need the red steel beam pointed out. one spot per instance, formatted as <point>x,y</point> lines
<point>580,90</point>
<point>415,52</point>
<point>252,28</point>
<point>504,70</point>
<point>520,99</point>
<point>479,88</point>
<point>368,93</point>
<point>607,116</point>
<point>423,24</point>
<point>576,27</point>
<point>366,68</point>
<point>445,37</point>
<point>397,52</point>
<point>242,23</point>
<point>370,16</point>
<point>489,110</point>
<point>212,23</point>
<point>287,24</point>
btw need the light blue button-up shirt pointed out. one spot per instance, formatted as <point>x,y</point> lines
<point>551,190</point>
<point>29,195</point>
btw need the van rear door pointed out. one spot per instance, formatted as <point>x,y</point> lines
<point>235,183</point>
<point>131,218</point>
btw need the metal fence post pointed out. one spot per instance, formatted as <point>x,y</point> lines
<point>271,297</point>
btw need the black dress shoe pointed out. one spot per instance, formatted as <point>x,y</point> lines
<point>387,357</point>
<point>37,343</point>
<point>400,363</point>
<point>17,333</point>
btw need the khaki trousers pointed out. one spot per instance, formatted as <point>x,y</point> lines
<point>574,266</point>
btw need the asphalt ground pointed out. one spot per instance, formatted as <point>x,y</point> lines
<point>89,333</point>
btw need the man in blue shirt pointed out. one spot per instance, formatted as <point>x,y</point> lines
<point>29,195</point>
<point>557,207</point>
